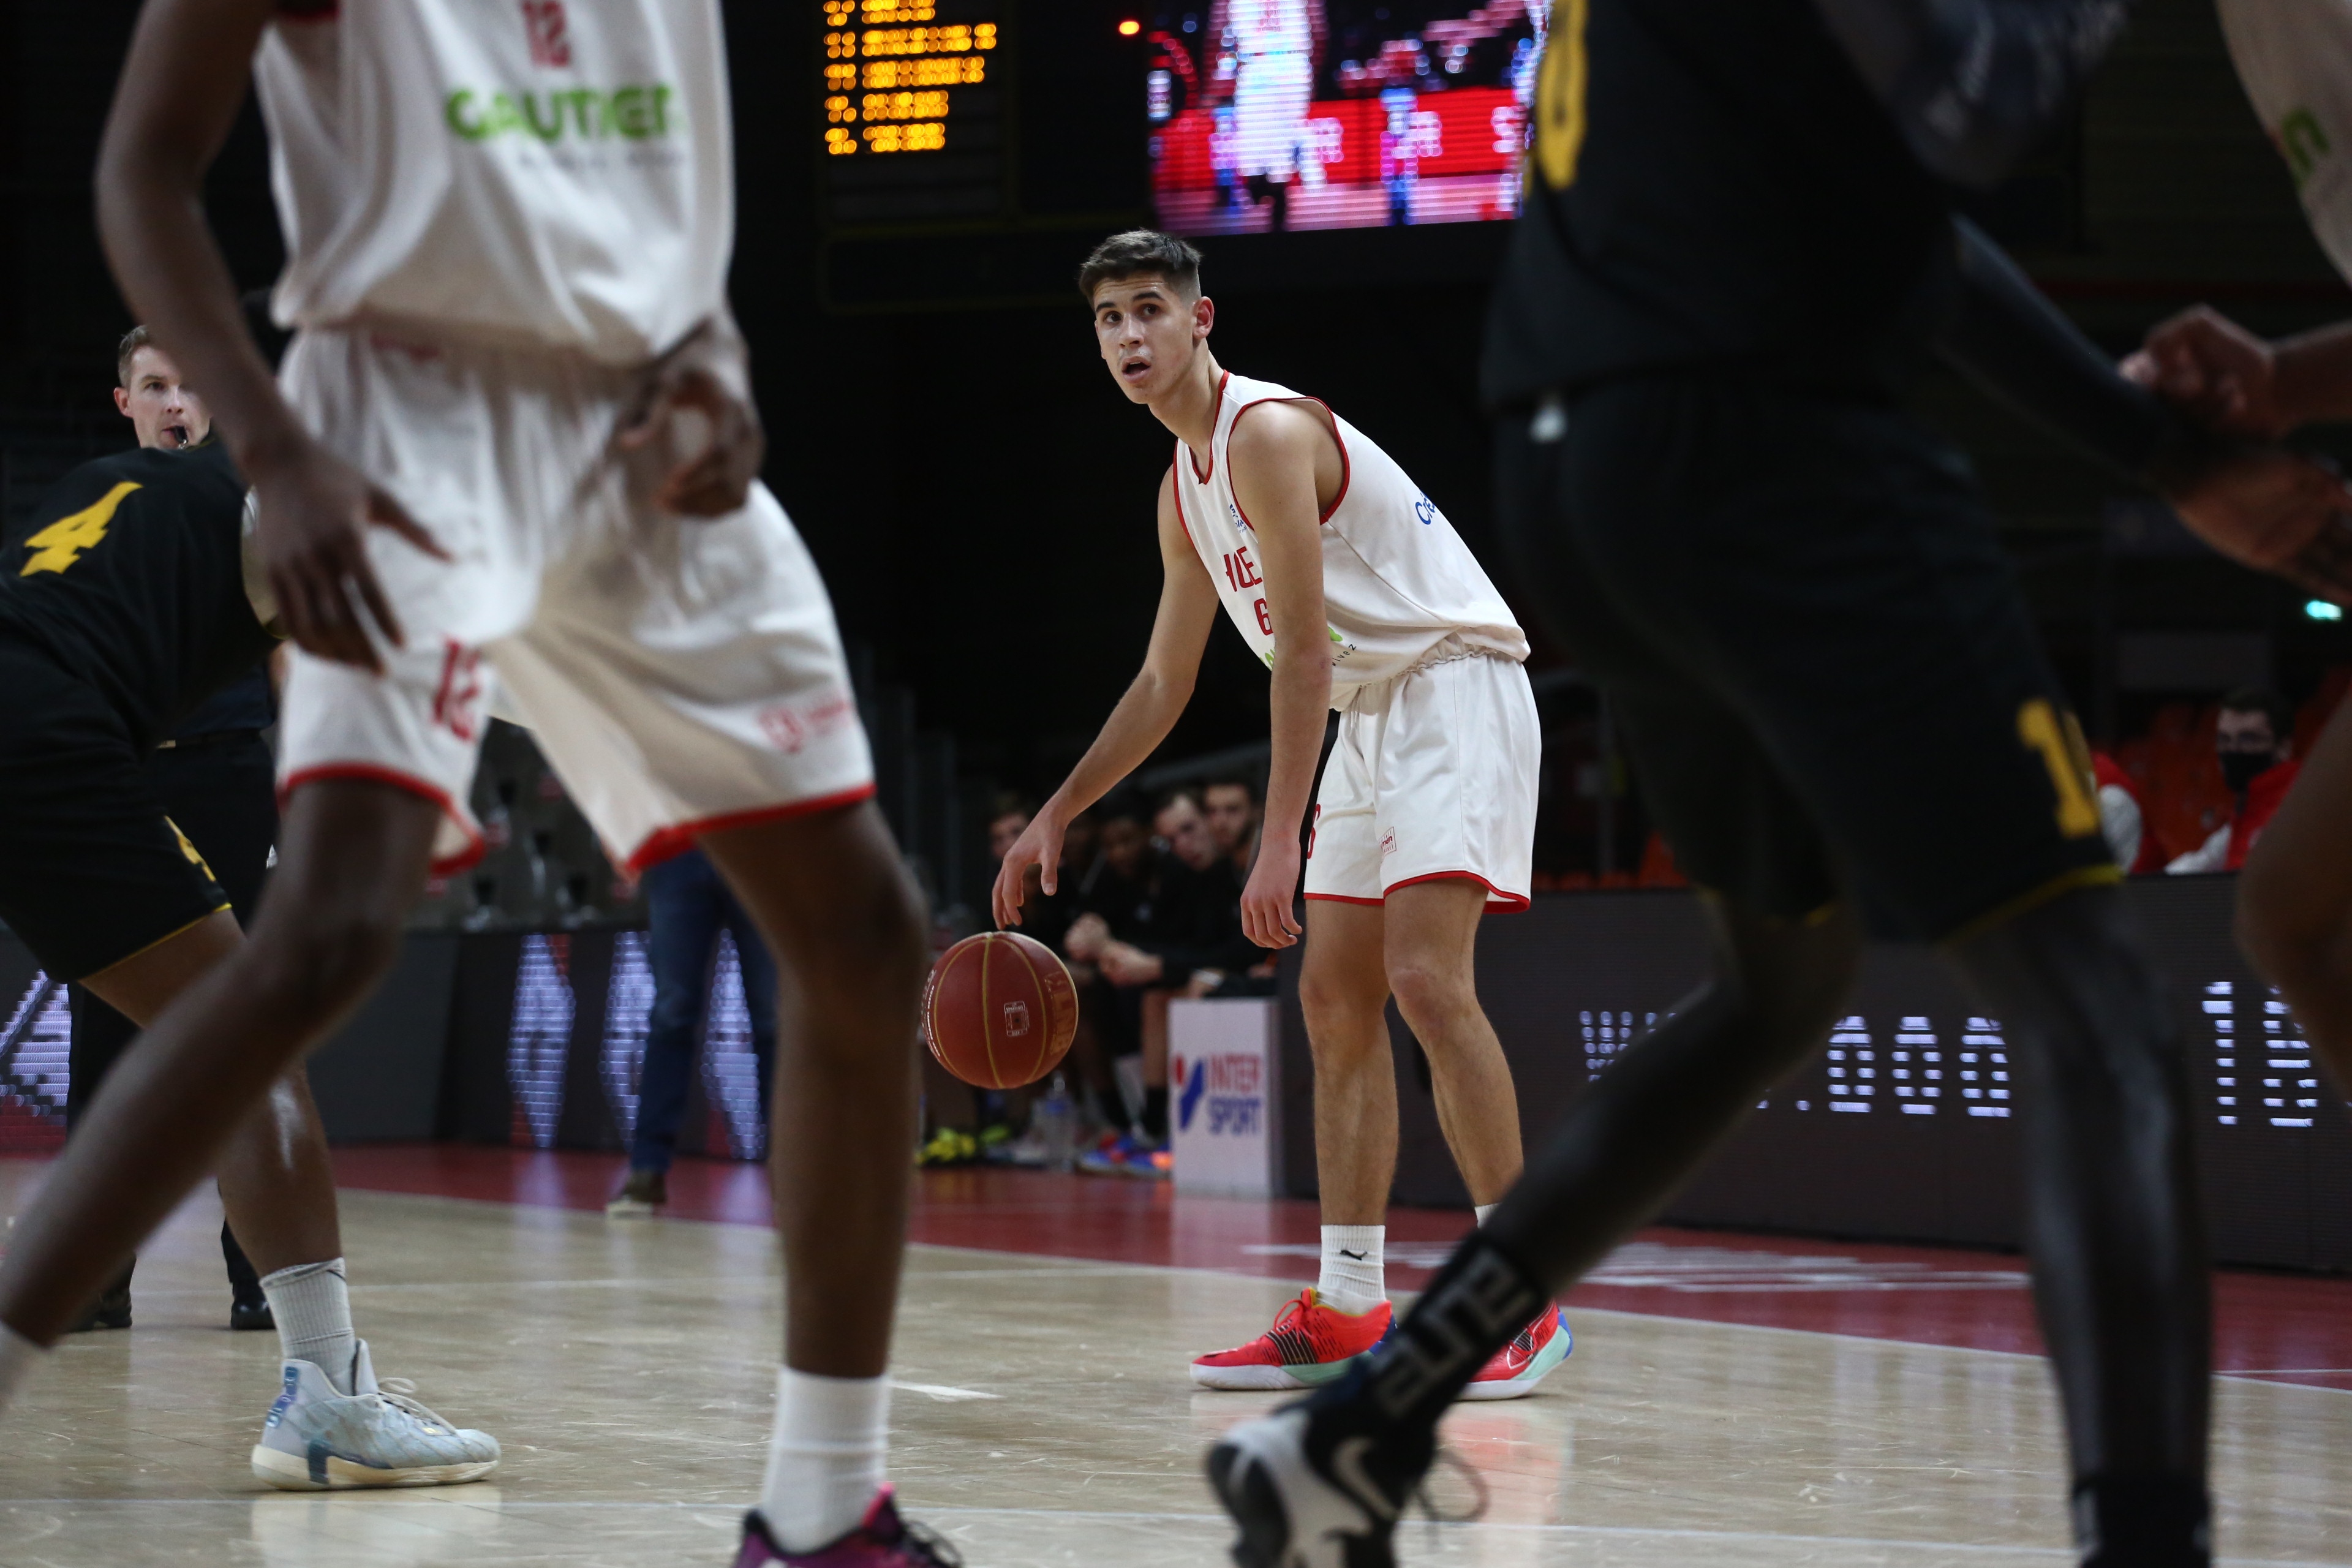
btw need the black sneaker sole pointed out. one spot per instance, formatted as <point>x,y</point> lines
<point>249,1319</point>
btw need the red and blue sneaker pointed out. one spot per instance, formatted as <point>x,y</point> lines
<point>884,1540</point>
<point>1518,1367</point>
<point>1310,1344</point>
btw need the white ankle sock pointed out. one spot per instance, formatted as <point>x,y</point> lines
<point>1485,1209</point>
<point>827,1457</point>
<point>18,1357</point>
<point>313,1305</point>
<point>1353,1279</point>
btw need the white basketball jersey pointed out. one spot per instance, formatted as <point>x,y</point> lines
<point>2294,58</point>
<point>1398,581</point>
<point>550,172</point>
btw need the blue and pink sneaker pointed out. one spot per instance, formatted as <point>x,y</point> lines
<point>884,1540</point>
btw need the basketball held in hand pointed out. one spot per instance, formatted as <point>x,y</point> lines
<point>999,1010</point>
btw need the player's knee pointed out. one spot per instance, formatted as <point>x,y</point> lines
<point>327,960</point>
<point>1431,998</point>
<point>873,935</point>
<point>1336,1007</point>
<point>1786,984</point>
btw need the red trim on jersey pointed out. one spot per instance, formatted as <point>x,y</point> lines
<point>1347,470</point>
<point>369,773</point>
<point>1198,477</point>
<point>1347,467</point>
<point>1512,903</point>
<point>668,843</point>
<point>1342,899</point>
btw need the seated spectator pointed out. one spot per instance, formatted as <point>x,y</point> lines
<point>1230,809</point>
<point>1114,900</point>
<point>2121,820</point>
<point>2254,739</point>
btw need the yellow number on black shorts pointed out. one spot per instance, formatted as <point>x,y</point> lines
<point>2059,738</point>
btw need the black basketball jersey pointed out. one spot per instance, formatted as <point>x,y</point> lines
<point>1712,183</point>
<point>131,572</point>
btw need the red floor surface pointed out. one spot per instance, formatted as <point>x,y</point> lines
<point>2281,1328</point>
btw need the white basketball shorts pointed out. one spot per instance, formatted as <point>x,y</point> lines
<point>1436,777</point>
<point>680,674</point>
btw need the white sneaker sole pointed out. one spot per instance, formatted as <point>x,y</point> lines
<point>289,1472</point>
<point>1247,1379</point>
<point>1555,1351</point>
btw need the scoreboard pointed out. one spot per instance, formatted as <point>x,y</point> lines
<point>914,111</point>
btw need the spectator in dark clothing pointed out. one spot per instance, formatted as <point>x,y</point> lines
<point>687,904</point>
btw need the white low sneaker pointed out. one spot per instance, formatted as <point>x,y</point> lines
<point>318,1440</point>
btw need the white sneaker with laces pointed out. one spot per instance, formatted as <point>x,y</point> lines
<point>377,1436</point>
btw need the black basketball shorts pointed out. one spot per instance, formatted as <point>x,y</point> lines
<point>1815,646</point>
<point>91,869</point>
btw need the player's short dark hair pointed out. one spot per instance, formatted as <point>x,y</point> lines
<point>134,340</point>
<point>1138,251</point>
<point>2263,701</point>
<point>1169,798</point>
<point>1129,805</point>
<point>1009,804</point>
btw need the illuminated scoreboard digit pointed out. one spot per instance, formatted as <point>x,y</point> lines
<point>914,111</point>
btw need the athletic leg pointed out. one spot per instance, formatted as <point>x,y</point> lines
<point>1343,991</point>
<point>1431,954</point>
<point>845,926</point>
<point>355,858</point>
<point>759,987</point>
<point>2113,1221</point>
<point>2294,900</point>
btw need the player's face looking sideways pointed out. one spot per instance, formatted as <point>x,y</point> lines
<point>1149,331</point>
<point>159,404</point>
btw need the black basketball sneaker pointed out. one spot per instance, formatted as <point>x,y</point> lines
<point>1321,1483</point>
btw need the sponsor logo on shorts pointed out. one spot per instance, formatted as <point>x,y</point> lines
<point>790,727</point>
<point>1388,842</point>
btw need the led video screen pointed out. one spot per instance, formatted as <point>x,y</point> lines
<point>1296,114</point>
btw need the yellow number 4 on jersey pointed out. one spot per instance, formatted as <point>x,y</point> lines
<point>60,544</point>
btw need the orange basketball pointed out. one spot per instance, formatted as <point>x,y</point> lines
<point>999,1010</point>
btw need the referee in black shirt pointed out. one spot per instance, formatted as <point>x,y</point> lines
<point>1738,251</point>
<point>215,779</point>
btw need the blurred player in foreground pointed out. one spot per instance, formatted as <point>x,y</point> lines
<point>2294,902</point>
<point>1360,596</point>
<point>123,607</point>
<point>515,445</point>
<point>1738,252</point>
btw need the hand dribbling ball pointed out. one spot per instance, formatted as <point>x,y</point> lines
<point>999,1010</point>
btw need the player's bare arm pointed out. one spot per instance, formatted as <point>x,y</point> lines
<point>708,376</point>
<point>1285,463</point>
<point>181,89</point>
<point>2225,377</point>
<point>1152,703</point>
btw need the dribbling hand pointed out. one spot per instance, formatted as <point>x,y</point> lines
<point>313,511</point>
<point>1040,844</point>
<point>1266,916</point>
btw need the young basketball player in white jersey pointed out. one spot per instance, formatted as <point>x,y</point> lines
<point>1360,596</point>
<point>508,227</point>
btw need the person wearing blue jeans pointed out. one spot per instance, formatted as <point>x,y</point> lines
<point>687,904</point>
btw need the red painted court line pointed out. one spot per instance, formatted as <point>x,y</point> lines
<point>2280,1328</point>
